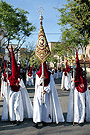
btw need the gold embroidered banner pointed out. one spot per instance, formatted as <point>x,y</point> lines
<point>42,48</point>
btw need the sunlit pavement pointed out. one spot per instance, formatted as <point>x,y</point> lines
<point>26,127</point>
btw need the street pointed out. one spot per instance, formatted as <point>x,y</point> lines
<point>26,127</point>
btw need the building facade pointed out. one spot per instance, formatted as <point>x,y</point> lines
<point>62,62</point>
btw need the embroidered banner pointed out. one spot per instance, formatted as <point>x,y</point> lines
<point>42,48</point>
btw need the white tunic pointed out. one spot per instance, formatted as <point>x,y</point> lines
<point>27,105</point>
<point>51,103</point>
<point>19,104</point>
<point>60,74</point>
<point>55,75</point>
<point>15,106</point>
<point>79,106</point>
<point>5,102</point>
<point>29,80</point>
<point>66,81</point>
<point>2,86</point>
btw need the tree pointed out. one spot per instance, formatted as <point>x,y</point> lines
<point>27,53</point>
<point>75,19</point>
<point>15,24</point>
<point>72,39</point>
<point>75,24</point>
<point>82,14</point>
<point>54,51</point>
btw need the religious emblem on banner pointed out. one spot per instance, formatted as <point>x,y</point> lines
<point>42,48</point>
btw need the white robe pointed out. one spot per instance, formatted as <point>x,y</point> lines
<point>66,81</point>
<point>79,106</point>
<point>15,106</point>
<point>29,80</point>
<point>51,103</point>
<point>55,75</point>
<point>60,74</point>
<point>5,102</point>
<point>19,104</point>
<point>27,105</point>
<point>2,86</point>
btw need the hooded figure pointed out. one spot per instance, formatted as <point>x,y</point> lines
<point>4,94</point>
<point>81,98</point>
<point>34,74</point>
<point>55,74</point>
<point>15,98</point>
<point>29,80</point>
<point>66,78</point>
<point>46,104</point>
<point>3,79</point>
<point>20,105</point>
<point>60,74</point>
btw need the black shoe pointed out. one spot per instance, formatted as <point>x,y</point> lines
<point>81,124</point>
<point>44,124</point>
<point>17,123</point>
<point>13,122</point>
<point>36,125</point>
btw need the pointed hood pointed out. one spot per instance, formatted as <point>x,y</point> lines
<point>78,68</point>
<point>80,82</point>
<point>13,79</point>
<point>30,71</point>
<point>4,63</point>
<point>46,74</point>
<point>5,75</point>
<point>14,63</point>
<point>66,69</point>
<point>69,69</point>
<point>77,60</point>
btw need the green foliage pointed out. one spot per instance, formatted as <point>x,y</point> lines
<point>15,25</point>
<point>29,55</point>
<point>37,61</point>
<point>51,58</point>
<point>75,22</point>
<point>82,15</point>
<point>26,55</point>
<point>14,22</point>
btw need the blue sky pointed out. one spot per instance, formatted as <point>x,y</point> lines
<point>50,15</point>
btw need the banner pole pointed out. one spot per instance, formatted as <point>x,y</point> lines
<point>73,92</point>
<point>7,98</point>
<point>43,81</point>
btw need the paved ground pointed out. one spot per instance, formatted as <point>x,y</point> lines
<point>26,128</point>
